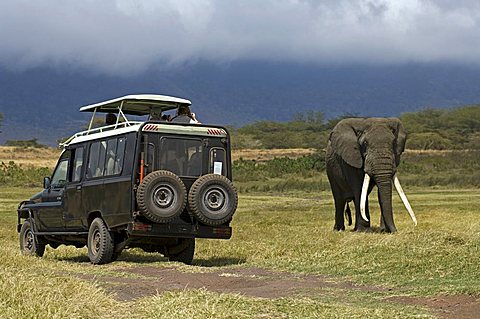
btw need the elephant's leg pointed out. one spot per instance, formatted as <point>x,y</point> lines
<point>340,203</point>
<point>361,224</point>
<point>339,198</point>
<point>339,214</point>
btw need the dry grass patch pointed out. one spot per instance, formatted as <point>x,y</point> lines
<point>29,156</point>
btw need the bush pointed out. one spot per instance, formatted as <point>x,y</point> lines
<point>25,143</point>
<point>12,174</point>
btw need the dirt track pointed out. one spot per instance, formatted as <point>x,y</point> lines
<point>262,283</point>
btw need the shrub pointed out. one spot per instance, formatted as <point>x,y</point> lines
<point>12,174</point>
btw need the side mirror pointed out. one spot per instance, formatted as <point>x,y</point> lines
<point>46,182</point>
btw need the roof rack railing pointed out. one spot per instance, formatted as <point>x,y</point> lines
<point>90,130</point>
<point>100,130</point>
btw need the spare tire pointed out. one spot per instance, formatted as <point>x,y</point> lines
<point>213,199</point>
<point>161,196</point>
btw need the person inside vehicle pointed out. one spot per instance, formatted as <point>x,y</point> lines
<point>110,119</point>
<point>156,116</point>
<point>184,115</point>
<point>166,118</point>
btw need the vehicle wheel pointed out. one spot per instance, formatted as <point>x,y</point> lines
<point>29,244</point>
<point>213,199</point>
<point>161,196</point>
<point>100,243</point>
<point>183,252</point>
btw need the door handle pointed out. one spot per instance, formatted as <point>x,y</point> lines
<point>79,187</point>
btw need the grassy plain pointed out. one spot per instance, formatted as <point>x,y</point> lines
<point>291,233</point>
<point>283,223</point>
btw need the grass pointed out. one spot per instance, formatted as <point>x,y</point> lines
<point>286,232</point>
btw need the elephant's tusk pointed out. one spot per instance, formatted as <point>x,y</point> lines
<point>363,197</point>
<point>400,191</point>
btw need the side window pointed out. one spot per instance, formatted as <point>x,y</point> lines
<point>77,165</point>
<point>119,156</point>
<point>93,159</point>
<point>217,161</point>
<point>106,158</point>
<point>101,159</point>
<point>59,177</point>
<point>111,154</point>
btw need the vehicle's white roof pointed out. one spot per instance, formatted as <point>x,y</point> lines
<point>152,127</point>
<point>138,104</point>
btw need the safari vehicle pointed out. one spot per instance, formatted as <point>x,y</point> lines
<point>148,184</point>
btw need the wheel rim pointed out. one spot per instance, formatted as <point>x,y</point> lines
<point>95,242</point>
<point>164,196</point>
<point>215,199</point>
<point>28,241</point>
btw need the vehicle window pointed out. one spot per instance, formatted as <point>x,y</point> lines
<point>217,161</point>
<point>101,159</point>
<point>110,159</point>
<point>93,159</point>
<point>119,156</point>
<point>106,158</point>
<point>77,165</point>
<point>59,177</point>
<point>182,157</point>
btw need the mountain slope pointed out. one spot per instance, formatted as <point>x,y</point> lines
<point>43,103</point>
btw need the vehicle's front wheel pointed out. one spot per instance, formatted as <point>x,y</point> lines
<point>29,244</point>
<point>183,252</point>
<point>100,243</point>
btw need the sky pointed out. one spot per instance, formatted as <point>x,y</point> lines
<point>118,37</point>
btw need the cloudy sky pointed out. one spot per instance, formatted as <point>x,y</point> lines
<point>123,36</point>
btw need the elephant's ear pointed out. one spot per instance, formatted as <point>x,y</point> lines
<point>400,138</point>
<point>344,142</point>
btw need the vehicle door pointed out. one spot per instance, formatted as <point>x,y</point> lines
<point>50,210</point>
<point>74,208</point>
<point>116,185</point>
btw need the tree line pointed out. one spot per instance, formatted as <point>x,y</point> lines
<point>435,129</point>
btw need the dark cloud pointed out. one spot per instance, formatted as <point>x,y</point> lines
<point>124,36</point>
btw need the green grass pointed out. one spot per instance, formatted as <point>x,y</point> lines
<point>286,232</point>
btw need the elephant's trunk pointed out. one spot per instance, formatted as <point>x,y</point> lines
<point>384,184</point>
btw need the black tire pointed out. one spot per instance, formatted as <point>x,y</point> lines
<point>213,199</point>
<point>100,243</point>
<point>29,244</point>
<point>183,252</point>
<point>161,196</point>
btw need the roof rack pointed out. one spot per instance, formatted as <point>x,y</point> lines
<point>139,104</point>
<point>100,129</point>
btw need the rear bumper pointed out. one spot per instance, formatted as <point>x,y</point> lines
<point>139,229</point>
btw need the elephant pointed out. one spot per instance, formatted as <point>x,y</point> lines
<point>362,153</point>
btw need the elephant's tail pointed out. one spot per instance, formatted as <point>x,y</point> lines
<point>348,214</point>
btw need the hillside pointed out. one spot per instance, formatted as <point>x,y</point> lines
<point>43,103</point>
<point>456,128</point>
